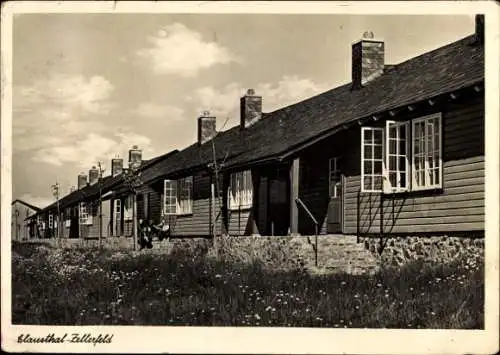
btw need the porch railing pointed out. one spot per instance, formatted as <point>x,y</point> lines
<point>316,228</point>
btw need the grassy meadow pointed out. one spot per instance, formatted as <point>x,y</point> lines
<point>97,287</point>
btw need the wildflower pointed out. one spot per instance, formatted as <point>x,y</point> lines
<point>257,316</point>
<point>268,308</point>
<point>379,285</point>
<point>342,283</point>
<point>218,276</point>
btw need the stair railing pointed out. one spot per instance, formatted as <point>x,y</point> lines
<point>316,228</point>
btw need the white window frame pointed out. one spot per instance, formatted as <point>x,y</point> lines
<point>185,196</point>
<point>240,192</point>
<point>128,208</point>
<point>436,147</point>
<point>333,175</point>
<point>178,196</point>
<point>388,169</point>
<point>169,197</point>
<point>67,219</point>
<point>432,160</point>
<point>372,160</point>
<point>85,218</point>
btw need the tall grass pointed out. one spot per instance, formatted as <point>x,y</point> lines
<point>83,287</point>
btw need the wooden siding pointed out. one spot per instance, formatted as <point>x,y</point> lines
<point>459,206</point>
<point>199,222</point>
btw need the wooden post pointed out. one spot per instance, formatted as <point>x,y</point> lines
<point>212,208</point>
<point>134,220</point>
<point>294,194</point>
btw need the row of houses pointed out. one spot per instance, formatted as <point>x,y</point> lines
<point>399,150</point>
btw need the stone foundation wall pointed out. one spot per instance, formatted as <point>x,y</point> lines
<point>396,251</point>
<point>335,252</point>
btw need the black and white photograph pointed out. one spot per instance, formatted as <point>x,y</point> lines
<point>250,172</point>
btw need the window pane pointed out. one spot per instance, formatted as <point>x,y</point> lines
<point>368,151</point>
<point>377,167</point>
<point>402,146</point>
<point>377,152</point>
<point>392,162</point>
<point>436,176</point>
<point>367,138</point>
<point>377,182</point>
<point>368,182</point>
<point>377,137</point>
<point>393,146</point>
<point>393,179</point>
<point>402,180</point>
<point>368,167</point>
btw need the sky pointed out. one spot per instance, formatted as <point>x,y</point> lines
<point>86,87</point>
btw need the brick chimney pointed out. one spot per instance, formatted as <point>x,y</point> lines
<point>93,175</point>
<point>250,109</point>
<point>479,29</point>
<point>367,60</point>
<point>82,180</point>
<point>207,125</point>
<point>116,166</point>
<point>134,157</point>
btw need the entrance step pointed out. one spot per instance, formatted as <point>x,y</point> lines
<point>342,253</point>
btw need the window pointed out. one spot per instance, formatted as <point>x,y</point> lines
<point>427,152</point>
<point>396,178</point>
<point>128,208</point>
<point>51,221</point>
<point>185,199</point>
<point>85,216</point>
<point>372,157</point>
<point>178,196</point>
<point>333,175</point>
<point>387,162</point>
<point>240,190</point>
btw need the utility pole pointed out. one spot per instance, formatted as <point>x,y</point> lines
<point>55,192</point>
<point>101,171</point>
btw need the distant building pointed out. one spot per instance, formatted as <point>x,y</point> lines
<point>21,228</point>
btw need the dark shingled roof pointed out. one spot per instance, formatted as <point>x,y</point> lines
<point>90,192</point>
<point>448,68</point>
<point>26,204</point>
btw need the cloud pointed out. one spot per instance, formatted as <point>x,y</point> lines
<point>67,93</point>
<point>38,201</point>
<point>87,151</point>
<point>178,50</point>
<point>157,111</point>
<point>225,102</point>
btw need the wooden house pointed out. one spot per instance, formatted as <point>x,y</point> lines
<point>399,150</point>
<point>22,227</point>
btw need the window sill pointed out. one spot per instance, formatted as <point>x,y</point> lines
<point>240,208</point>
<point>187,214</point>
